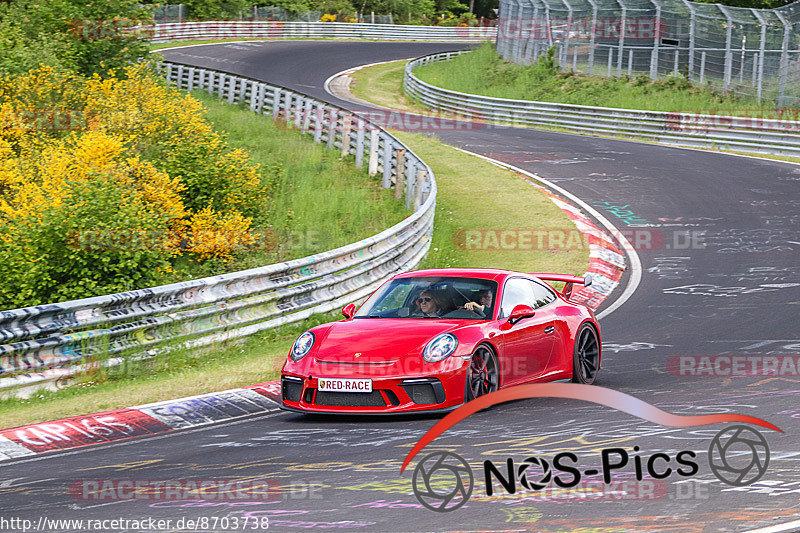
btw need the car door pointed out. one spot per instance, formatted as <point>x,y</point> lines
<point>525,346</point>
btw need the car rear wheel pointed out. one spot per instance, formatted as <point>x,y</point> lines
<point>482,375</point>
<point>586,356</point>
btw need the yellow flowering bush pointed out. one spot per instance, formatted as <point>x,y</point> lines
<point>104,182</point>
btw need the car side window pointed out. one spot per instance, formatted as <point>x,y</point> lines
<point>543,295</point>
<point>517,291</point>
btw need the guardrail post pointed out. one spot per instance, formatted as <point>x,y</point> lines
<point>276,102</point>
<point>419,186</point>
<point>411,181</point>
<point>297,109</point>
<point>231,89</point>
<point>306,115</point>
<point>360,143</point>
<point>346,135</point>
<point>318,121</point>
<point>254,96</point>
<point>332,123</point>
<point>373,152</point>
<point>181,68</point>
<point>190,80</point>
<point>592,37</point>
<point>400,173</point>
<point>387,163</point>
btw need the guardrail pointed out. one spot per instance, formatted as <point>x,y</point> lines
<point>744,134</point>
<point>315,30</point>
<point>49,342</point>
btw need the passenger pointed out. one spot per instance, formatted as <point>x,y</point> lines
<point>427,305</point>
<point>483,305</point>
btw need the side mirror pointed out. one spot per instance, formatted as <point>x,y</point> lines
<point>349,310</point>
<point>519,312</point>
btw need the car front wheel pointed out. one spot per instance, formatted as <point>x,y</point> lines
<point>585,356</point>
<point>482,375</point>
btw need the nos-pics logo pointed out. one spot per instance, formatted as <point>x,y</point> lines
<point>444,481</point>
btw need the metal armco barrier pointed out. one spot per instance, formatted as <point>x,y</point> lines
<point>743,134</point>
<point>48,342</point>
<point>315,30</point>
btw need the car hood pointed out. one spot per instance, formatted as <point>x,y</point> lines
<point>379,340</point>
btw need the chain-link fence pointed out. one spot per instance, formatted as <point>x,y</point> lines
<point>752,52</point>
<point>168,12</point>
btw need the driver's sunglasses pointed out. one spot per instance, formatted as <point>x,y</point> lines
<point>425,299</point>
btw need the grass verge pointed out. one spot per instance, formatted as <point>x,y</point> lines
<point>383,85</point>
<point>486,73</point>
<point>470,192</point>
<point>319,201</point>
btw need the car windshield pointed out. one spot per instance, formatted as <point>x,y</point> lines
<point>432,297</point>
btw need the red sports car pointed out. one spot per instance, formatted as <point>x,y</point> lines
<point>433,339</point>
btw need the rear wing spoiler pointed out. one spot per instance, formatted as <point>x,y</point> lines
<point>568,280</point>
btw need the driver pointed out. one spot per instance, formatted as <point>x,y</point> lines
<point>427,305</point>
<point>483,304</point>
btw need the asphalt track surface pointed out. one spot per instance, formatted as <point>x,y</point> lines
<point>736,291</point>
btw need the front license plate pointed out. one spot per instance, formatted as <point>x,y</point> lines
<point>344,385</point>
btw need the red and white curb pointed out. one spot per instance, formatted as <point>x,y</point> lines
<point>606,261</point>
<point>139,421</point>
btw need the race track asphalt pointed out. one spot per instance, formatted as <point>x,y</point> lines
<point>732,290</point>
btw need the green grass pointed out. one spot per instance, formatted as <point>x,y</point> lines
<point>484,72</point>
<point>383,85</point>
<point>319,201</point>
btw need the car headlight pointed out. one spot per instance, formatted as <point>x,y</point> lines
<point>440,347</point>
<point>302,346</point>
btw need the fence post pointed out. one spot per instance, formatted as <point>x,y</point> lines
<point>784,65</point>
<point>726,78</point>
<point>656,43</point>
<point>373,151</point>
<point>387,163</point>
<point>610,60</point>
<point>630,62</point>
<point>592,37</point>
<point>621,50</point>
<point>692,26</point>
<point>763,22</point>
<point>568,30</point>
<point>400,174</point>
<point>360,143</point>
<point>346,135</point>
<point>702,66</point>
<point>677,58</point>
